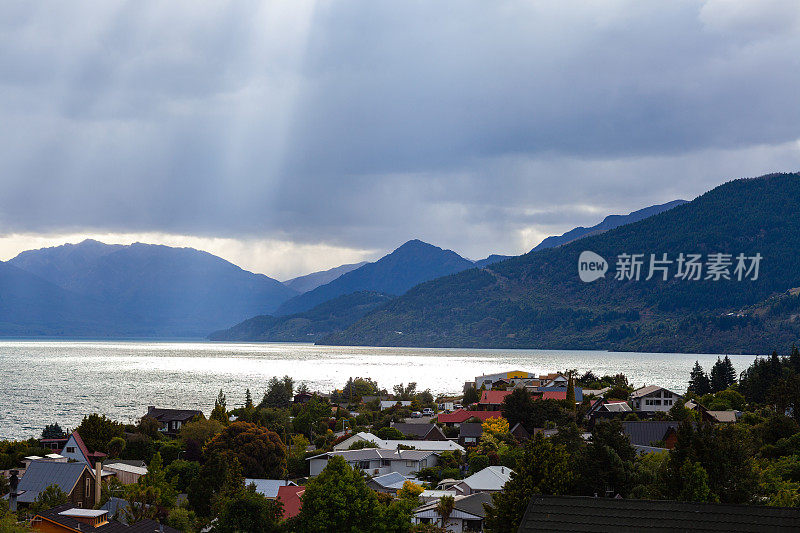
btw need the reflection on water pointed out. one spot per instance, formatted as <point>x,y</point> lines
<point>48,381</point>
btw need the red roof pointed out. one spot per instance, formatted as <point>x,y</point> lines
<point>462,415</point>
<point>494,397</point>
<point>554,395</point>
<point>290,496</point>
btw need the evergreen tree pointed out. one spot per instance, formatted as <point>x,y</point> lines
<point>220,412</point>
<point>698,381</point>
<point>571,393</point>
<point>774,364</point>
<point>248,400</point>
<point>54,431</point>
<point>718,380</point>
<point>729,372</point>
<point>794,359</point>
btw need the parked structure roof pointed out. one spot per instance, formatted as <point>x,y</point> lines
<point>586,514</point>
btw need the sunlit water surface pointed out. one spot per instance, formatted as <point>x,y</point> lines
<point>52,381</point>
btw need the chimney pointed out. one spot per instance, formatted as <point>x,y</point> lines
<point>12,496</point>
<point>98,481</point>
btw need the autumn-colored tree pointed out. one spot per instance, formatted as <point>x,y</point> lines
<point>260,451</point>
<point>410,491</point>
<point>495,426</point>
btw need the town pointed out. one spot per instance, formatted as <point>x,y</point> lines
<point>515,452</point>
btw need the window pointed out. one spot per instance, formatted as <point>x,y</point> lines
<point>666,394</point>
<point>70,449</point>
<point>410,464</point>
<point>88,488</point>
<point>386,462</point>
<point>363,465</point>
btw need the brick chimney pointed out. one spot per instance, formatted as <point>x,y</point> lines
<point>98,482</point>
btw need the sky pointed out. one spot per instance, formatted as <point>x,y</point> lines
<point>295,136</point>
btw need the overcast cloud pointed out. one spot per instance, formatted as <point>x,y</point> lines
<point>268,132</point>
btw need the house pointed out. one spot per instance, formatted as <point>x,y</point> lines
<point>596,392</point>
<point>126,473</point>
<point>508,378</point>
<point>269,487</point>
<point>53,444</point>
<point>375,461</point>
<point>76,450</point>
<point>468,513</point>
<point>490,479</point>
<point>388,483</point>
<point>715,417</point>
<point>602,408</point>
<point>587,514</point>
<point>469,433</point>
<point>459,416</point>
<point>291,496</point>
<point>388,404</point>
<point>647,432</point>
<point>433,495</point>
<point>519,432</point>
<point>66,518</point>
<point>419,431</point>
<point>75,479</point>
<point>429,445</point>
<point>653,398</point>
<point>172,419</point>
<point>302,397</point>
<point>554,380</point>
<point>492,400</point>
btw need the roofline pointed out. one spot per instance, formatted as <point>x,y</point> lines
<point>56,523</point>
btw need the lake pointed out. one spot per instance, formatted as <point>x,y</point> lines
<point>57,381</point>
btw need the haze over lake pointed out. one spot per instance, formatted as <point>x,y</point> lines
<point>53,381</point>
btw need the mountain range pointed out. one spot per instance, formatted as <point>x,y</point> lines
<point>136,290</point>
<point>311,281</point>
<point>395,273</point>
<point>537,300</point>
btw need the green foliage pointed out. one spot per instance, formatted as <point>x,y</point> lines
<point>338,500</point>
<point>50,497</point>
<point>389,433</point>
<point>181,472</point>
<point>547,468</point>
<point>310,414</point>
<point>220,412</point>
<point>115,447</point>
<point>723,375</point>
<point>296,462</point>
<point>183,520</point>
<point>201,430</point>
<point>244,509</point>
<point>260,451</point>
<point>97,431</point>
<point>519,407</point>
<point>699,383</point>
<point>279,393</point>
<point>53,431</point>
<point>470,396</point>
<point>152,496</point>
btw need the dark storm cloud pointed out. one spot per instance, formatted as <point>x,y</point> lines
<point>474,125</point>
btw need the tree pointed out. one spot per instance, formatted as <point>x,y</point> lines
<point>405,393</point>
<point>260,451</point>
<point>203,488</point>
<point>410,491</point>
<point>248,400</point>
<point>279,393</point>
<point>338,500</point>
<point>201,430</point>
<point>183,520</point>
<point>50,497</point>
<point>695,483</point>
<point>546,468</point>
<point>181,472</point>
<point>517,408</point>
<point>310,413</point>
<point>495,426</point>
<point>244,509</point>
<point>444,508</point>
<point>609,461</point>
<point>97,431</point>
<point>723,375</point>
<point>571,392</point>
<point>698,381</point>
<point>296,462</point>
<point>470,396</point>
<point>220,411</point>
<point>152,496</point>
<point>115,447</point>
<point>794,359</point>
<point>53,431</point>
<point>148,426</point>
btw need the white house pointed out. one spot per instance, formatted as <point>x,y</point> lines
<point>428,445</point>
<point>490,479</point>
<point>653,398</point>
<point>376,462</point>
<point>388,404</point>
<point>468,513</point>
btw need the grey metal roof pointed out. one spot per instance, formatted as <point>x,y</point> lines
<point>585,514</point>
<point>42,474</point>
<point>413,430</point>
<point>390,479</point>
<point>470,429</point>
<point>268,487</point>
<point>369,454</point>
<point>472,504</point>
<point>646,432</point>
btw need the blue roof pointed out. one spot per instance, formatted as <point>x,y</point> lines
<point>42,474</point>
<point>390,480</point>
